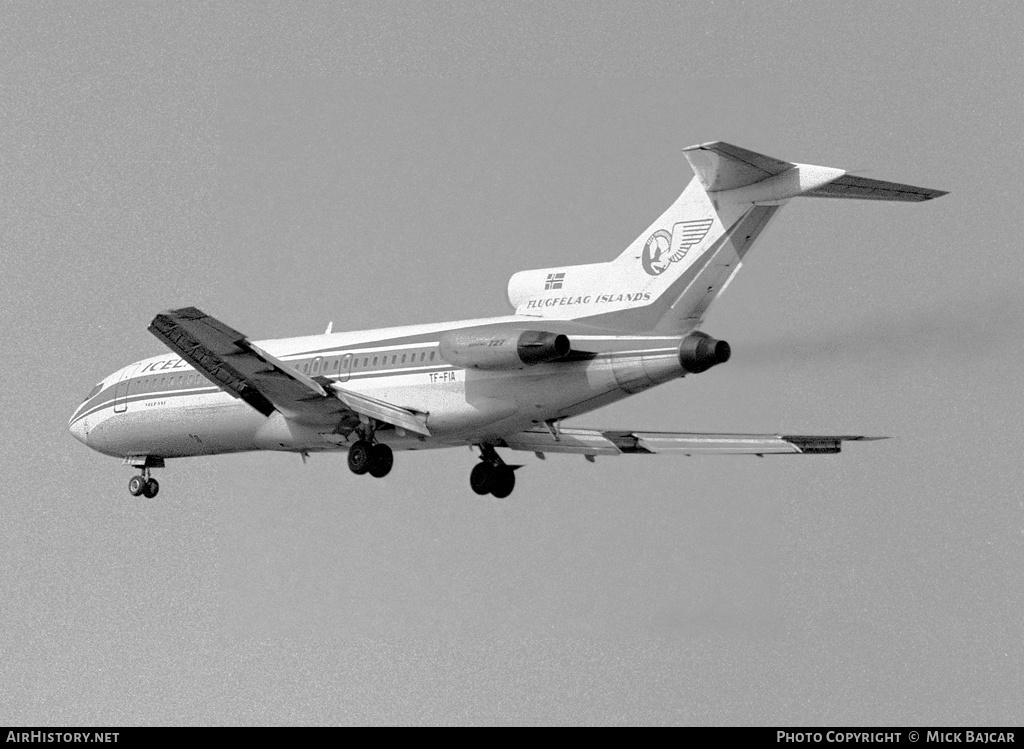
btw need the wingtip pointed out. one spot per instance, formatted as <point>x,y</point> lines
<point>187,313</point>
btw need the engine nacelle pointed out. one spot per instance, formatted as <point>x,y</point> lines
<point>501,348</point>
<point>699,352</point>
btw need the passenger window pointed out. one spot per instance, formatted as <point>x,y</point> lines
<point>365,360</point>
<point>431,356</point>
<point>423,355</point>
<point>375,361</point>
<point>394,358</point>
<point>305,368</point>
<point>403,358</point>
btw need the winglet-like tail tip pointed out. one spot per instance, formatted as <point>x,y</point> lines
<point>721,166</point>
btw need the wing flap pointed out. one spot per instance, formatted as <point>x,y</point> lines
<point>612,442</point>
<point>405,418</point>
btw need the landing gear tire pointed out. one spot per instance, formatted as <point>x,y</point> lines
<point>360,457</point>
<point>136,485</point>
<point>503,481</point>
<point>480,478</point>
<point>381,460</point>
<point>150,488</point>
<point>488,478</point>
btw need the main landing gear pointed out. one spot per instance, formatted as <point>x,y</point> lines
<point>144,485</point>
<point>375,459</point>
<point>492,475</point>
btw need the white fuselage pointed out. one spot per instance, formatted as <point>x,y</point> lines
<point>162,407</point>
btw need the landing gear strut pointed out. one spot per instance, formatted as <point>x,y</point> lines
<point>367,456</point>
<point>492,475</point>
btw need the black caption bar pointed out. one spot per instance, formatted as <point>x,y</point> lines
<point>760,736</point>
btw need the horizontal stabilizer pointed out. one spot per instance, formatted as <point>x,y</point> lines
<point>722,166</point>
<point>862,188</point>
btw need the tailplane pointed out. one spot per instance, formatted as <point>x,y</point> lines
<point>667,278</point>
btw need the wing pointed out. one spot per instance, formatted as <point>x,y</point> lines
<point>231,361</point>
<point>592,442</point>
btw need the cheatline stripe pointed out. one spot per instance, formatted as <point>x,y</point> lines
<point>377,347</point>
<point>104,398</point>
<point>150,396</point>
<point>430,340</point>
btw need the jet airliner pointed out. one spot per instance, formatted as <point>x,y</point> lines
<point>580,337</point>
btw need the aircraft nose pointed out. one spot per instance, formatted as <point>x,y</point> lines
<point>78,431</point>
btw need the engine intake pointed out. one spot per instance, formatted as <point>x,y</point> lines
<point>699,352</point>
<point>501,348</point>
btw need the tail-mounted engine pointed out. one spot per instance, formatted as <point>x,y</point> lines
<point>501,348</point>
<point>699,352</point>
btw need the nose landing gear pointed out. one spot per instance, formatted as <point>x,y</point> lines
<point>140,485</point>
<point>143,485</point>
<point>492,475</point>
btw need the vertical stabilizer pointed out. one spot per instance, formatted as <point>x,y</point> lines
<point>668,276</point>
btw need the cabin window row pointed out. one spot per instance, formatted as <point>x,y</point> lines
<point>150,384</point>
<point>319,365</point>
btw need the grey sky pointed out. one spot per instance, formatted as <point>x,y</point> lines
<point>376,165</point>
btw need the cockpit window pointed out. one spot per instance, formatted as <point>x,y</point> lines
<point>93,392</point>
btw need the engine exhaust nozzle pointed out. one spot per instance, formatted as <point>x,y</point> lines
<point>699,352</point>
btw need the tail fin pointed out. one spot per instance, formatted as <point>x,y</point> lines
<point>667,278</point>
